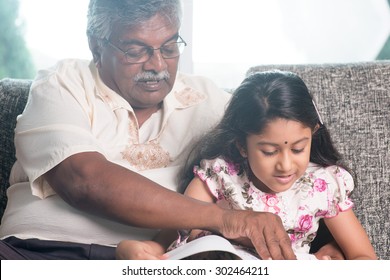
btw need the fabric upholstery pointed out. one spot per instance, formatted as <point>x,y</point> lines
<point>354,101</point>
<point>13,98</point>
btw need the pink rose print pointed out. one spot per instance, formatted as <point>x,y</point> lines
<point>321,213</point>
<point>319,185</point>
<point>305,223</point>
<point>271,202</point>
<point>294,239</point>
<point>220,195</point>
<point>231,168</point>
<point>216,168</point>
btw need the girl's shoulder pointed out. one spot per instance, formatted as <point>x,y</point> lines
<point>332,170</point>
<point>219,169</point>
<point>333,175</point>
<point>219,164</point>
<point>332,182</point>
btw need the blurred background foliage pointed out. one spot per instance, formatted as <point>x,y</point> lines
<point>385,52</point>
<point>15,58</point>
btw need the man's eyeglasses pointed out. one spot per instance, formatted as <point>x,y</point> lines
<point>140,54</point>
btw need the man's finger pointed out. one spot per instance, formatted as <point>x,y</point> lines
<point>273,241</point>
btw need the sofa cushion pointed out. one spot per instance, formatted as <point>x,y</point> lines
<point>13,98</point>
<point>354,101</point>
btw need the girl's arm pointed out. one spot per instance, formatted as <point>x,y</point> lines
<point>199,190</point>
<point>351,236</point>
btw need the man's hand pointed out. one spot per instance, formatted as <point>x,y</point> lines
<point>264,231</point>
<point>330,251</point>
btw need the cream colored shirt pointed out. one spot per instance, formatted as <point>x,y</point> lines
<point>70,111</point>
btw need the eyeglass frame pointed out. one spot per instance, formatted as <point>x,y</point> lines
<point>150,50</point>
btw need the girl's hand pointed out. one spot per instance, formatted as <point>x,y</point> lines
<point>139,250</point>
<point>330,251</point>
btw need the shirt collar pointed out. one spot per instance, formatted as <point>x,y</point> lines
<point>181,96</point>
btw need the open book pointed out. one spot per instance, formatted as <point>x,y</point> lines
<point>210,243</point>
<point>214,243</point>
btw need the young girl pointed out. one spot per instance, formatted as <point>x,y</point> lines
<point>272,152</point>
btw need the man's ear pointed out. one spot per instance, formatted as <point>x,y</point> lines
<point>95,48</point>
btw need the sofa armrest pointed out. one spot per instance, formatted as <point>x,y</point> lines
<point>13,98</point>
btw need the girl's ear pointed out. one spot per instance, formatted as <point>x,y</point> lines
<point>242,150</point>
<point>316,128</point>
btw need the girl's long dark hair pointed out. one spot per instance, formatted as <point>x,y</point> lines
<point>261,98</point>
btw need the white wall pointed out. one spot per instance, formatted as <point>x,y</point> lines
<point>227,36</point>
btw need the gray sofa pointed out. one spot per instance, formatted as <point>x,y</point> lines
<point>354,100</point>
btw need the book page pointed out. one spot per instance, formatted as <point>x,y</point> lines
<point>206,244</point>
<point>211,243</point>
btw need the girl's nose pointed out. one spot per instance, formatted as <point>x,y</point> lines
<point>284,162</point>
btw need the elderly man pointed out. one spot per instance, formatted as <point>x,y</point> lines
<point>99,143</point>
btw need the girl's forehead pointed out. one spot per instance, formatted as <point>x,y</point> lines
<point>281,130</point>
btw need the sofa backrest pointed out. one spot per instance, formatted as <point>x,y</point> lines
<point>13,98</point>
<point>354,101</point>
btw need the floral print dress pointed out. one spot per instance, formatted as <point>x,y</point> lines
<point>322,192</point>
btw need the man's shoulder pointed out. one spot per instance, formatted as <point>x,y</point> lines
<point>194,80</point>
<point>64,70</point>
<point>201,84</point>
<point>66,66</point>
<point>70,62</point>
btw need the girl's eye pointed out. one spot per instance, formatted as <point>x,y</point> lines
<point>297,151</point>
<point>266,153</point>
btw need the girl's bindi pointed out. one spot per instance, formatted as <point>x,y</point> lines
<point>286,142</point>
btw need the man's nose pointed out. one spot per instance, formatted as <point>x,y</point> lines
<point>156,62</point>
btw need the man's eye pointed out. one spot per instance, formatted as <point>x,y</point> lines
<point>170,48</point>
<point>136,52</point>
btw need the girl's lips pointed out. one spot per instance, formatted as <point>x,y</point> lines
<point>284,179</point>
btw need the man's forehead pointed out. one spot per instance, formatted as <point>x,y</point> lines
<point>158,27</point>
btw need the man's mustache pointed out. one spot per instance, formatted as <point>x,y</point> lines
<point>151,76</point>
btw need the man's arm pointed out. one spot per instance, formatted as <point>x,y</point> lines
<point>89,182</point>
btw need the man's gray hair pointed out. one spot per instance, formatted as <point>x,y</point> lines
<point>104,14</point>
